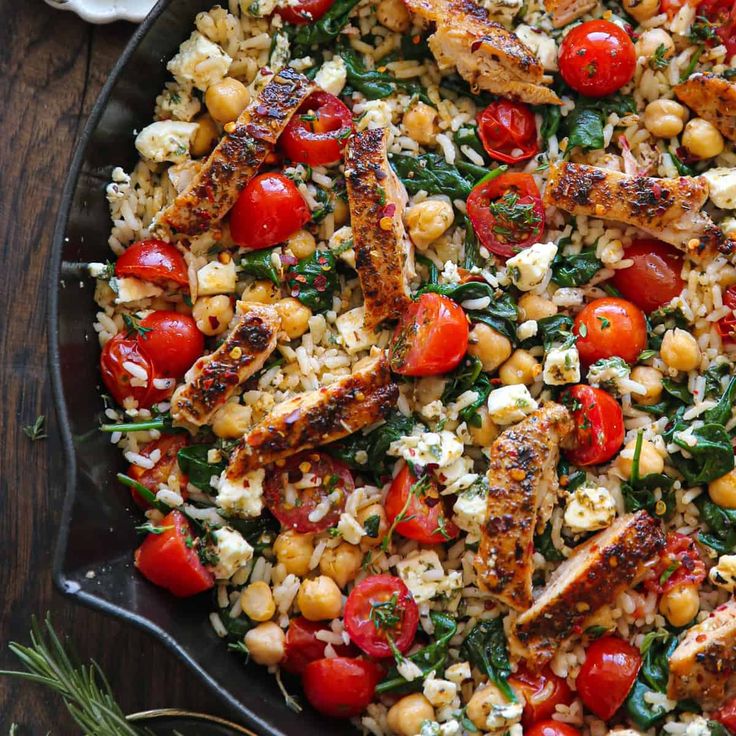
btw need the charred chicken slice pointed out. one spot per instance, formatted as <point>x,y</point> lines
<point>713,98</point>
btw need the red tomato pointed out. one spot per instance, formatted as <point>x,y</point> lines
<point>507,213</point>
<point>341,687</point>
<point>727,324</point>
<point>267,212</point>
<point>377,608</point>
<point>154,261</point>
<point>303,647</point>
<point>168,445</point>
<point>305,11</point>
<point>508,131</point>
<point>172,341</point>
<point>722,16</point>
<point>610,668</point>
<point>317,133</point>
<point>291,506</point>
<point>597,58</point>
<point>170,560</point>
<point>542,692</point>
<point>610,326</point>
<point>654,277</point>
<point>679,564</point>
<point>430,338</point>
<point>599,425</point>
<point>726,715</point>
<point>552,728</point>
<point>422,507</point>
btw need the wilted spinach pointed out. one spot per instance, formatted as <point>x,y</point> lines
<point>193,462</point>
<point>545,546</point>
<point>468,136</point>
<point>638,491</point>
<point>323,31</point>
<point>576,269</point>
<point>721,412</point>
<point>710,457</point>
<point>259,263</point>
<point>656,650</point>
<point>314,280</point>
<point>722,525</point>
<point>470,246</point>
<point>468,376</point>
<point>259,532</point>
<point>551,118</point>
<point>553,330</point>
<point>486,648</point>
<point>433,273</point>
<point>584,125</point>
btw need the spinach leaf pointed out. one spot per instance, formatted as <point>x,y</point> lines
<point>677,391</point>
<point>470,246</point>
<point>468,376</point>
<point>323,31</point>
<point>414,47</point>
<point>455,83</point>
<point>468,136</point>
<point>711,456</point>
<point>721,412</point>
<point>259,532</point>
<point>431,173</point>
<point>544,545</point>
<point>314,280</point>
<point>551,118</point>
<point>575,270</point>
<point>259,263</point>
<point>652,677</point>
<point>553,330</point>
<point>193,461</point>
<point>236,628</point>
<point>722,525</point>
<point>486,648</point>
<point>638,491</point>
<point>433,273</point>
<point>585,128</point>
<point>682,168</point>
<point>713,377</point>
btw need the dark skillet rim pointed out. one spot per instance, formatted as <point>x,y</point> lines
<point>57,390</point>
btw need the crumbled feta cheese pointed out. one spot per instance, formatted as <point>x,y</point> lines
<point>232,552</point>
<point>450,728</point>
<point>724,573</point>
<point>262,8</point>
<point>530,269</point>
<point>332,75</point>
<point>510,404</point>
<point>279,52</point>
<point>542,44</point>
<point>458,673</point>
<point>470,509</point>
<point>376,114</point>
<point>408,670</point>
<point>98,270</point>
<point>589,508</point>
<point>242,498</point>
<point>561,366</point>
<point>503,715</point>
<point>129,289</point>
<point>216,278</point>
<point>423,574</point>
<point>355,335</point>
<point>722,187</point>
<point>166,140</point>
<point>428,448</point>
<point>350,530</point>
<point>341,244</point>
<point>439,692</point>
<point>177,102</point>
<point>527,329</point>
<point>200,62</point>
<point>698,726</point>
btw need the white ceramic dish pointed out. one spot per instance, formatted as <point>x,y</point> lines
<point>106,11</point>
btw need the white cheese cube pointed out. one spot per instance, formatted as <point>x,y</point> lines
<point>470,510</point>
<point>589,508</point>
<point>129,289</point>
<point>503,716</point>
<point>510,404</point>
<point>216,278</point>
<point>166,140</point>
<point>722,186</point>
<point>375,114</point>
<point>332,76</point>
<point>355,335</point>
<point>527,329</point>
<point>428,448</point>
<point>439,692</point>
<point>724,573</point>
<point>423,574</point>
<point>530,269</point>
<point>350,530</point>
<point>279,52</point>
<point>232,550</point>
<point>244,497</point>
<point>561,366</point>
<point>458,673</point>
<point>200,62</point>
<point>341,244</point>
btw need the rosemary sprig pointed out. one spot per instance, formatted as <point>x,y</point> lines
<point>36,431</point>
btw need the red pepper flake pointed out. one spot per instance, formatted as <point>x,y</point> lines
<point>320,282</point>
<point>214,322</point>
<point>301,278</point>
<point>389,210</point>
<point>288,260</point>
<point>656,190</point>
<point>475,46</point>
<point>295,292</point>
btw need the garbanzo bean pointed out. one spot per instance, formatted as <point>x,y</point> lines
<point>680,605</point>
<point>490,347</point>
<point>680,350</point>
<point>302,244</point>
<point>319,599</point>
<point>392,14</point>
<point>533,306</point>
<point>651,379</point>
<point>294,317</point>
<point>650,461</point>
<point>702,139</point>
<point>226,99</point>
<point>368,513</point>
<point>206,136</point>
<point>212,314</point>
<point>521,367</point>
<point>262,291</point>
<point>342,563</point>
<point>652,40</point>
<point>420,122</point>
<point>231,421</point>
<point>257,601</point>
<point>294,551</point>
<point>664,118</point>
<point>428,220</point>
<point>722,491</point>
<point>265,643</point>
<point>641,10</point>
<point>487,432</point>
<point>405,717</point>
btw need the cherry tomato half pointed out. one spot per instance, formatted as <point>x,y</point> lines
<point>727,324</point>
<point>679,564</point>
<point>426,519</point>
<point>610,668</point>
<point>168,559</point>
<point>654,277</point>
<point>154,261</point>
<point>377,608</point>
<point>328,479</point>
<point>599,425</point>
<point>507,213</point>
<point>317,133</point>
<point>267,212</point>
<point>597,58</point>
<point>542,692</point>
<point>172,341</point>
<point>341,687</point>
<point>168,445</point>
<point>722,15</point>
<point>552,728</point>
<point>610,326</point>
<point>726,715</point>
<point>508,131</point>
<point>303,647</point>
<point>430,338</point>
<point>305,11</point>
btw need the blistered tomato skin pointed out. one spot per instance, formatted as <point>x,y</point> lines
<point>172,341</point>
<point>543,692</point>
<point>341,687</point>
<point>508,131</point>
<point>153,260</point>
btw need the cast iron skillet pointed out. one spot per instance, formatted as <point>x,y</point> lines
<point>93,561</point>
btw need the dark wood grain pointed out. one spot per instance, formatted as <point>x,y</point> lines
<point>51,68</point>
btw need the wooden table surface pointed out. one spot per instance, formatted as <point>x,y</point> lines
<point>52,66</point>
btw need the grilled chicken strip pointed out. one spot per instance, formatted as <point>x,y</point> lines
<point>486,54</point>
<point>668,209</point>
<point>566,11</point>
<point>377,200</point>
<point>594,575</point>
<point>238,156</point>
<point>211,381</point>
<point>713,98</point>
<point>523,489</point>
<point>317,417</point>
<point>703,667</point>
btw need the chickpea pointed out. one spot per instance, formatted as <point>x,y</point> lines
<point>319,599</point>
<point>392,14</point>
<point>405,717</point>
<point>664,118</point>
<point>367,512</point>
<point>487,432</point>
<point>481,704</point>
<point>340,211</point>
<point>206,136</point>
<point>257,601</point>
<point>294,551</point>
<point>641,10</point>
<point>702,139</point>
<point>489,346</point>
<point>651,379</point>
<point>231,421</point>
<point>650,461</point>
<point>302,244</point>
<point>262,291</point>
<point>342,563</point>
<point>212,314</point>
<point>722,491</point>
<point>680,350</point>
<point>521,367</point>
<point>265,643</point>
<point>680,605</point>
<point>428,220</point>
<point>420,122</point>
<point>294,317</point>
<point>533,306</point>
<point>226,99</point>
<point>429,389</point>
<point>650,41</point>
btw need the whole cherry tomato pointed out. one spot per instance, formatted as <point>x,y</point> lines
<point>305,11</point>
<point>508,131</point>
<point>168,445</point>
<point>597,58</point>
<point>599,425</point>
<point>542,692</point>
<point>332,480</point>
<point>168,559</point>
<point>341,687</point>
<point>303,647</point>
<point>430,338</point>
<point>317,133</point>
<point>551,728</point>
<point>154,261</point>
<point>380,608</point>
<point>727,324</point>
<point>607,675</point>
<point>422,508</point>
<point>654,277</point>
<point>171,340</point>
<point>507,213</point>
<point>726,715</point>
<point>610,326</point>
<point>679,564</point>
<point>267,212</point>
